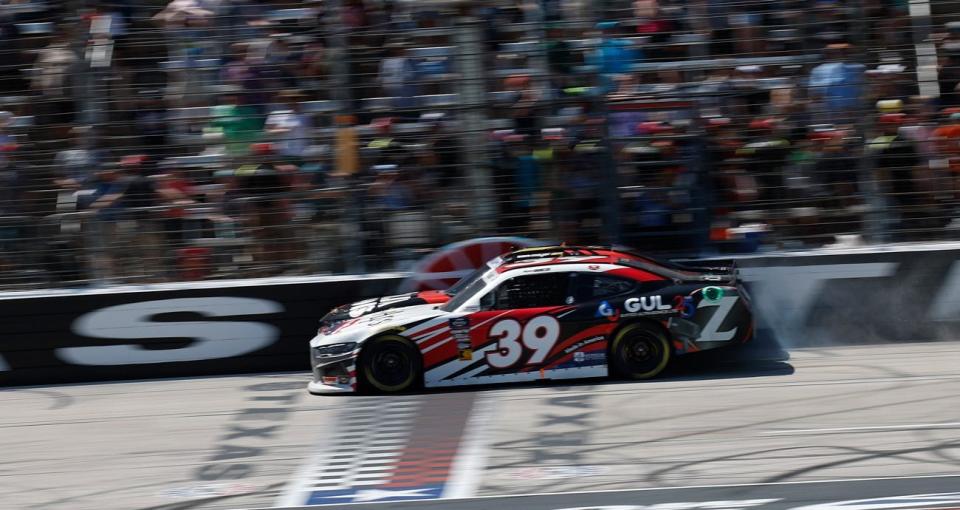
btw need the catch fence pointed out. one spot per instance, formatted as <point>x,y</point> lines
<point>152,141</point>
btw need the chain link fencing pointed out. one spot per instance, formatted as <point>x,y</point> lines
<point>148,141</point>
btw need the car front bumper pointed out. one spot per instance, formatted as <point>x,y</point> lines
<point>333,375</point>
<point>318,388</point>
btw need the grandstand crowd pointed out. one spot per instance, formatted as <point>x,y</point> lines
<point>154,141</point>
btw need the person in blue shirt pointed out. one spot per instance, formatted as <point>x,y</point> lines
<point>837,85</point>
<point>613,55</point>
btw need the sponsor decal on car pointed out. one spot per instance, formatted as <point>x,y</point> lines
<point>684,305</point>
<point>460,331</point>
<point>583,343</point>
<point>607,310</point>
<point>646,305</point>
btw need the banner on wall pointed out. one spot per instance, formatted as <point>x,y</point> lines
<point>180,331</point>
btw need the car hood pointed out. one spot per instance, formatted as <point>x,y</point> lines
<point>379,304</point>
<point>364,326</point>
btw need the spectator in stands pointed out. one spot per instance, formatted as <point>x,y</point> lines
<point>150,123</point>
<point>836,166</point>
<point>949,74</point>
<point>13,64</point>
<point>6,119</point>
<point>265,185</point>
<point>560,58</point>
<point>829,24</point>
<point>736,26</point>
<point>275,64</point>
<point>441,154</point>
<point>179,14</point>
<point>397,76</point>
<point>74,166</point>
<point>623,124</point>
<point>11,182</point>
<point>897,161</point>
<point>138,202</point>
<point>236,70</point>
<point>946,141</point>
<point>289,127</point>
<point>175,191</point>
<point>390,195</point>
<point>653,24</point>
<point>234,123</point>
<point>766,156</point>
<point>524,108</point>
<point>185,22</point>
<point>53,80</point>
<point>391,189</point>
<point>347,148</point>
<point>836,86</point>
<point>354,14</point>
<point>613,55</point>
<point>314,69</point>
<point>15,227</point>
<point>102,194</point>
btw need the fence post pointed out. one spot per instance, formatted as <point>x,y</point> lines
<point>875,225</point>
<point>468,39</point>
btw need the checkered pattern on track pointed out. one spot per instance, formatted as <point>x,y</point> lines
<point>365,446</point>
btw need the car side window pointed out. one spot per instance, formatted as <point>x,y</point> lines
<point>529,291</point>
<point>591,286</point>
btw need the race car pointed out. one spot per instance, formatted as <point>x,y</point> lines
<point>555,312</point>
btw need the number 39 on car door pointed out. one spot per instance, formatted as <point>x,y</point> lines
<point>518,329</point>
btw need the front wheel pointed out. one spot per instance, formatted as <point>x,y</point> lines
<point>390,364</point>
<point>639,351</point>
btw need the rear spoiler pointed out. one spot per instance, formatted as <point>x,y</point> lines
<point>689,274</point>
<point>730,272</point>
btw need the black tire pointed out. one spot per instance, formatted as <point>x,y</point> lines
<point>639,351</point>
<point>390,364</point>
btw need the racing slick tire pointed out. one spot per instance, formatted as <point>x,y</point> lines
<point>639,351</point>
<point>389,364</point>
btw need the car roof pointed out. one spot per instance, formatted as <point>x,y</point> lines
<point>556,255</point>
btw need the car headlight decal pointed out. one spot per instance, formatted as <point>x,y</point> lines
<point>326,351</point>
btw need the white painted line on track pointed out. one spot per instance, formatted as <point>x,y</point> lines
<point>915,426</point>
<point>302,481</point>
<point>681,385</point>
<point>720,486</point>
<point>467,469</point>
<point>687,487</point>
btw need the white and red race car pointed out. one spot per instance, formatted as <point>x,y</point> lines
<point>555,312</point>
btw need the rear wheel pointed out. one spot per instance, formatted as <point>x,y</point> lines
<point>639,351</point>
<point>390,364</point>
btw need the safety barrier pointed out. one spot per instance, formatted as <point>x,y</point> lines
<point>905,293</point>
<point>170,330</point>
<point>827,297</point>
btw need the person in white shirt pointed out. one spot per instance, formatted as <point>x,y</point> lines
<point>289,127</point>
<point>397,76</point>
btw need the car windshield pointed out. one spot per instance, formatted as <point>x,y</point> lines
<point>466,292</point>
<point>464,282</point>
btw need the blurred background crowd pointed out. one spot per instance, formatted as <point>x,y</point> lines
<point>148,141</point>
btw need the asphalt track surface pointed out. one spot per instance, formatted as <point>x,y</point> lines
<point>828,425</point>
